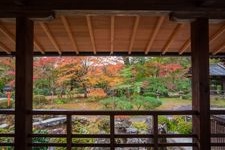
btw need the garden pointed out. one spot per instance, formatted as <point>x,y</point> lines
<point>103,83</point>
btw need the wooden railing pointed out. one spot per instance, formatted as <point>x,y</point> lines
<point>155,136</point>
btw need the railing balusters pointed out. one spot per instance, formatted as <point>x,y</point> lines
<point>155,135</point>
<point>112,132</point>
<point>155,131</point>
<point>69,131</point>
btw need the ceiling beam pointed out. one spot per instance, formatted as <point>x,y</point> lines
<point>5,48</point>
<point>160,5</point>
<point>112,34</point>
<point>155,32</point>
<point>134,32</point>
<point>185,46</point>
<point>38,46</point>
<point>50,37</point>
<point>91,33</point>
<point>219,49</point>
<point>217,34</point>
<point>69,32</point>
<point>11,37</point>
<point>184,16</point>
<point>171,38</point>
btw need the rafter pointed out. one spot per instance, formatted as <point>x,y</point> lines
<point>38,46</point>
<point>221,47</point>
<point>185,46</point>
<point>171,38</point>
<point>90,29</point>
<point>69,32</point>
<point>134,32</point>
<point>112,34</point>
<point>5,48</point>
<point>217,34</point>
<point>50,36</point>
<point>11,37</point>
<point>155,32</point>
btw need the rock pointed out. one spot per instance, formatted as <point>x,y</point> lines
<point>131,130</point>
<point>2,126</point>
<point>50,122</point>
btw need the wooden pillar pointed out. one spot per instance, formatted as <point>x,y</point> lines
<point>24,82</point>
<point>200,81</point>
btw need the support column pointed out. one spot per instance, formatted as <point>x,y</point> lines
<point>24,82</point>
<point>200,81</point>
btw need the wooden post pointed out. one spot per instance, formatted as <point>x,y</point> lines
<point>200,81</point>
<point>24,82</point>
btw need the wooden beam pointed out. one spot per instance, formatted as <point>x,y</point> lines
<point>134,32</point>
<point>171,38</point>
<point>91,33</point>
<point>24,83</point>
<point>70,34</point>
<point>5,48</point>
<point>38,46</point>
<point>200,82</point>
<point>112,34</point>
<point>7,33</point>
<point>219,49</point>
<point>185,46</point>
<point>32,14</point>
<point>155,32</point>
<point>153,5</point>
<point>11,37</point>
<point>217,34</point>
<point>50,37</point>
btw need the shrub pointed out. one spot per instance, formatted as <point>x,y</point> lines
<point>151,102</point>
<point>140,126</point>
<point>177,124</point>
<point>4,103</point>
<point>40,139</point>
<point>39,100</point>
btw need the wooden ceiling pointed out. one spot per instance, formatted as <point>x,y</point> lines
<point>105,30</point>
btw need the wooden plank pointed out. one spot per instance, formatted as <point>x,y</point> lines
<point>38,46</point>
<point>155,32</point>
<point>171,38</point>
<point>24,83</point>
<point>5,48</point>
<point>219,49</point>
<point>91,33</point>
<point>112,34</point>
<point>200,81</point>
<point>217,34</point>
<point>11,37</point>
<point>50,37</point>
<point>185,46</point>
<point>134,32</point>
<point>69,32</point>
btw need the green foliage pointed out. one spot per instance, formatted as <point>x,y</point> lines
<point>39,100</point>
<point>140,126</point>
<point>5,139</point>
<point>157,86</point>
<point>40,139</point>
<point>177,124</point>
<point>4,103</point>
<point>119,103</point>
<point>145,102</point>
<point>124,103</point>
